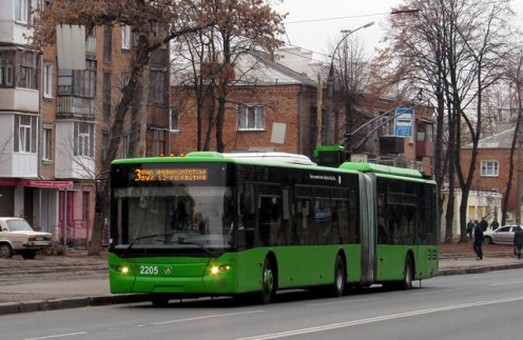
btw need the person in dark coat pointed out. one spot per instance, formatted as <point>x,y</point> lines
<point>494,225</point>
<point>470,229</point>
<point>478,240</point>
<point>518,241</point>
<point>483,224</point>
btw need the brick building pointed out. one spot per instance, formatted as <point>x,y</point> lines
<point>55,123</point>
<point>489,185</point>
<point>274,108</point>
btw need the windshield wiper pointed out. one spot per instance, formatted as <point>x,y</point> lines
<point>182,240</point>
<point>165,235</point>
<point>178,240</point>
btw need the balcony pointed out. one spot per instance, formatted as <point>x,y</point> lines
<point>19,99</point>
<point>75,107</point>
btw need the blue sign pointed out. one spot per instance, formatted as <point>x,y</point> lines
<point>404,121</point>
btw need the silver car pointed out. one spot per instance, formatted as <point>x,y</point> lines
<point>502,235</point>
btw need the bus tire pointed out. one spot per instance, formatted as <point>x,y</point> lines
<point>268,282</point>
<point>408,274</point>
<point>159,300</point>
<point>338,288</point>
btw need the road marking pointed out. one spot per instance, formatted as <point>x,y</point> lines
<point>328,327</point>
<point>58,336</point>
<point>339,302</point>
<point>199,318</point>
<point>505,283</point>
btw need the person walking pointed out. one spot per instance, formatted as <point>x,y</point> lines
<point>494,225</point>
<point>518,241</point>
<point>470,229</point>
<point>478,240</point>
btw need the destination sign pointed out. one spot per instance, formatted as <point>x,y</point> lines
<point>170,175</point>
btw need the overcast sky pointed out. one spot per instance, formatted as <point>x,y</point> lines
<point>316,24</point>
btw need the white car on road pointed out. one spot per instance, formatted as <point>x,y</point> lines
<point>17,237</point>
<point>502,235</point>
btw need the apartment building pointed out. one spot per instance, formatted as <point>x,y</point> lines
<point>56,123</point>
<point>274,107</point>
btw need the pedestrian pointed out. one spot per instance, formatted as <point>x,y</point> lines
<point>470,229</point>
<point>518,241</point>
<point>478,240</point>
<point>483,224</point>
<point>494,225</point>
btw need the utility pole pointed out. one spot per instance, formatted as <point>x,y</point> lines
<point>330,82</point>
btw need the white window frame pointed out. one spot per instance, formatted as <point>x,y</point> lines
<point>489,168</point>
<point>126,37</point>
<point>47,133</point>
<point>48,80</point>
<point>84,139</point>
<point>25,133</point>
<point>173,120</point>
<point>251,117</point>
<point>22,10</point>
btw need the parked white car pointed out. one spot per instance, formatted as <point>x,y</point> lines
<point>502,235</point>
<point>17,237</point>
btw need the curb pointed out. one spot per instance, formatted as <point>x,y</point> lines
<point>475,270</point>
<point>55,304</point>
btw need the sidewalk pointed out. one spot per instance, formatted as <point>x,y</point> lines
<point>92,288</point>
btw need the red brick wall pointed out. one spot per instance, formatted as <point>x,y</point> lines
<point>289,104</point>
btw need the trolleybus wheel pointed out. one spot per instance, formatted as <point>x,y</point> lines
<point>339,277</point>
<point>268,286</point>
<point>408,274</point>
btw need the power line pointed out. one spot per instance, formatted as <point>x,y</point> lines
<point>335,18</point>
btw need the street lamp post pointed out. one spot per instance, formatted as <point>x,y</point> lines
<point>330,80</point>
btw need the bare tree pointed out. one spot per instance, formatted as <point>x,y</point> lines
<point>173,17</point>
<point>454,49</point>
<point>351,77</point>
<point>212,56</point>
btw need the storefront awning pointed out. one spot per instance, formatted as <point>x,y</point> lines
<point>36,183</point>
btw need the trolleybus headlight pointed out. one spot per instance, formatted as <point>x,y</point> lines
<point>219,269</point>
<point>122,269</point>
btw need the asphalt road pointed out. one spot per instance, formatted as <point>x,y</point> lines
<point>473,306</point>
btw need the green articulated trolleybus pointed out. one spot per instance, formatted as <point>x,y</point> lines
<point>252,224</point>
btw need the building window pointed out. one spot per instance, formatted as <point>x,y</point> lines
<point>251,117</point>
<point>106,99</point>
<point>46,143</point>
<point>6,68</point>
<point>22,10</point>
<point>80,83</point>
<point>490,168</point>
<point>25,133</point>
<point>158,143</point>
<point>173,120</point>
<point>27,70</point>
<point>126,37</point>
<point>48,80</point>
<point>157,86</point>
<point>84,139</point>
<point>108,43</point>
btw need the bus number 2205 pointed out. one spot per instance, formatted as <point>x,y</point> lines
<point>149,270</point>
